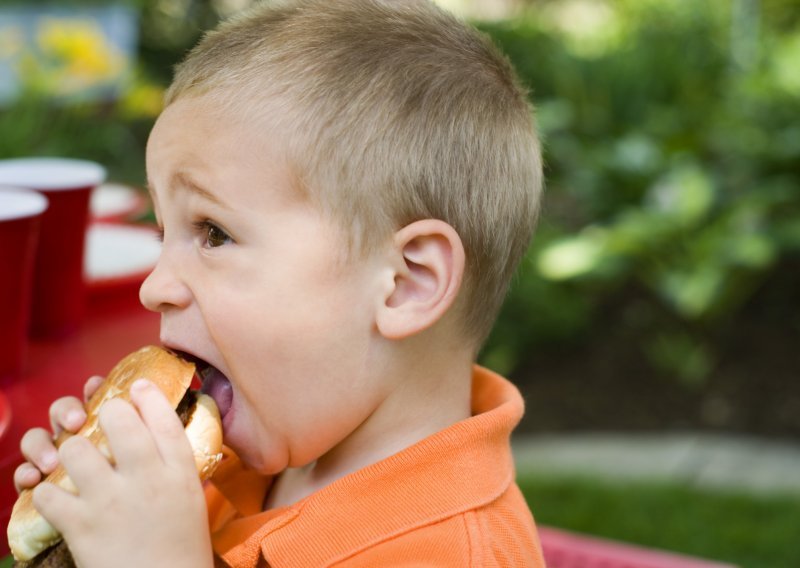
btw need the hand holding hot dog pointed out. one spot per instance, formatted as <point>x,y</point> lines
<point>40,447</point>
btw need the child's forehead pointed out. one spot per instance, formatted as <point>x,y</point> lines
<point>216,157</point>
<point>195,126</point>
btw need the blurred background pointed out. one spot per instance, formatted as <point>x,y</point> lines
<point>662,291</point>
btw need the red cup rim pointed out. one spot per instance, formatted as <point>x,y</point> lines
<point>141,237</point>
<point>18,203</point>
<point>105,285</point>
<point>114,202</point>
<point>51,174</point>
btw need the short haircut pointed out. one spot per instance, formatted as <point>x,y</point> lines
<point>394,111</point>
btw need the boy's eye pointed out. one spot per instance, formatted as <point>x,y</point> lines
<point>216,236</point>
<point>213,235</point>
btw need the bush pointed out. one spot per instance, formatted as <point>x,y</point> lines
<point>672,170</point>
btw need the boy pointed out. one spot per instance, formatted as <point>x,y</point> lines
<point>344,190</point>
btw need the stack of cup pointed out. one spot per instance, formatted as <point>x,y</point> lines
<point>58,293</point>
<point>20,216</point>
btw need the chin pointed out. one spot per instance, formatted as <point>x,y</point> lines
<point>256,452</point>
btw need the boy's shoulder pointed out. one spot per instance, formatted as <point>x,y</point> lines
<point>501,533</point>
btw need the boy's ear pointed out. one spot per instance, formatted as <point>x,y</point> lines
<point>427,269</point>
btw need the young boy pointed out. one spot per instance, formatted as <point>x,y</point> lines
<point>344,189</point>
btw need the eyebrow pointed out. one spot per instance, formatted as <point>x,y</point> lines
<point>183,179</point>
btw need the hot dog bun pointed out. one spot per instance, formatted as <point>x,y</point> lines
<point>28,532</point>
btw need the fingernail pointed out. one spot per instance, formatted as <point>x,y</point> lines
<point>50,459</point>
<point>28,472</point>
<point>75,418</point>
<point>141,385</point>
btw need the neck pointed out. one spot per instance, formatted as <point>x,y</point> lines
<point>427,397</point>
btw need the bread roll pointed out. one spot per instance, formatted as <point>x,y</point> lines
<point>28,532</point>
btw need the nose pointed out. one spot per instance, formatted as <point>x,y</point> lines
<point>163,289</point>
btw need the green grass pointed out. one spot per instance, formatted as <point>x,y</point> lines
<point>748,530</point>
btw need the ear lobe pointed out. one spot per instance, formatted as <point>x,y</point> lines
<point>429,267</point>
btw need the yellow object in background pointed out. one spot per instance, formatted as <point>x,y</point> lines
<point>85,52</point>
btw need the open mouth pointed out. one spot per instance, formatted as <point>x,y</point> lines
<point>213,382</point>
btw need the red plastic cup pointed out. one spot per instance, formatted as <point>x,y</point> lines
<point>20,216</point>
<point>59,296</point>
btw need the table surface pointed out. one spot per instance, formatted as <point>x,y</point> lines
<point>113,328</point>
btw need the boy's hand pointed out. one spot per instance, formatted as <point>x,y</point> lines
<point>149,508</point>
<point>39,447</point>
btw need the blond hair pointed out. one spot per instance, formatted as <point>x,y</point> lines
<point>395,111</point>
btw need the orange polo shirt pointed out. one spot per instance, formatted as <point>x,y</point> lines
<point>448,500</point>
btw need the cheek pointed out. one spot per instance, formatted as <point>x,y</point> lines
<point>295,318</point>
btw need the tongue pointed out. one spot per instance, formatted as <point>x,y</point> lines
<point>217,386</point>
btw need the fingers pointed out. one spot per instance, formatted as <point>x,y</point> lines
<point>147,435</point>
<point>67,414</point>
<point>91,386</point>
<point>26,476</point>
<point>56,505</point>
<point>151,435</point>
<point>129,441</point>
<point>89,474</point>
<point>37,447</point>
<point>84,464</point>
<point>160,418</point>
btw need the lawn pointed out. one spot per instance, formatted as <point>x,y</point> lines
<point>752,531</point>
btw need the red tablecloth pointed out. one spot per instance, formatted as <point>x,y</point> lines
<point>5,414</point>
<point>115,326</point>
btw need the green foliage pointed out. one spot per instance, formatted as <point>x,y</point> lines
<point>113,131</point>
<point>672,170</point>
<point>38,127</point>
<point>752,531</point>
<point>671,143</point>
